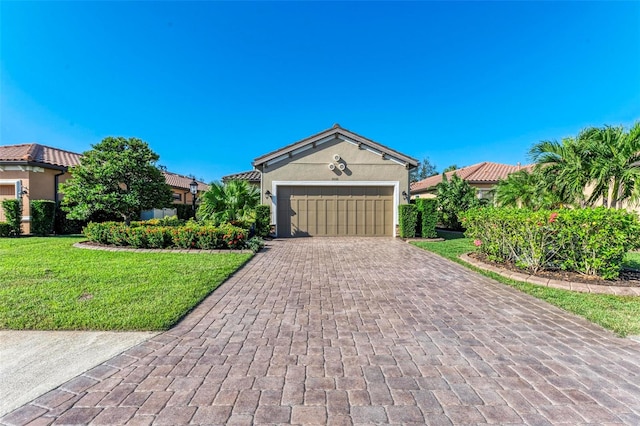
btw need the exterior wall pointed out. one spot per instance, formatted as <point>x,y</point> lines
<point>312,166</point>
<point>39,185</point>
<point>185,196</point>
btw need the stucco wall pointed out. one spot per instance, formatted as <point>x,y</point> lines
<point>312,165</point>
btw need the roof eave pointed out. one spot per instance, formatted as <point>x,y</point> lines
<point>34,164</point>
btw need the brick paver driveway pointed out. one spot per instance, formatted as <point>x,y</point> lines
<point>345,331</point>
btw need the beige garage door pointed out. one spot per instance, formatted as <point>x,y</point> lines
<point>335,210</point>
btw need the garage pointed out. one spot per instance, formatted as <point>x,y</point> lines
<point>317,211</point>
<point>334,183</point>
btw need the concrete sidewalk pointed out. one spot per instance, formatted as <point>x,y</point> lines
<point>34,362</point>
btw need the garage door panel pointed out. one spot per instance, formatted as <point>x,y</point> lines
<point>335,210</point>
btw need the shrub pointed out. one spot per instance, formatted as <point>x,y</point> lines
<point>42,217</point>
<point>184,236</point>
<point>184,211</point>
<point>588,241</point>
<point>408,220</point>
<point>263,220</point>
<point>190,235</point>
<point>455,196</point>
<point>5,229</point>
<point>233,236</point>
<point>13,213</point>
<point>427,217</point>
<point>63,225</point>
<point>254,244</point>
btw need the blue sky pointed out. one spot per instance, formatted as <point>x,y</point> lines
<point>212,85</point>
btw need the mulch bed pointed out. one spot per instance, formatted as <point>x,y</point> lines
<point>628,277</point>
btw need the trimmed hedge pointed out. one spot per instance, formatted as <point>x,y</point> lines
<point>408,220</point>
<point>263,220</point>
<point>5,229</point>
<point>13,213</point>
<point>428,217</point>
<point>184,211</point>
<point>190,235</point>
<point>591,241</point>
<point>42,217</point>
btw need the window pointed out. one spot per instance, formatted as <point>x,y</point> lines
<point>177,196</point>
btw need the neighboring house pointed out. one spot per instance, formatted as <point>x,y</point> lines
<point>180,186</point>
<point>335,183</point>
<point>33,172</point>
<point>254,177</point>
<point>482,176</point>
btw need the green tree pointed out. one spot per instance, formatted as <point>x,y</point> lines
<point>565,167</point>
<point>615,165</point>
<point>423,171</point>
<point>526,190</point>
<point>233,201</point>
<point>604,161</point>
<point>451,168</point>
<point>454,197</point>
<point>116,176</point>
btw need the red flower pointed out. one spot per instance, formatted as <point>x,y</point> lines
<point>477,243</point>
<point>553,217</point>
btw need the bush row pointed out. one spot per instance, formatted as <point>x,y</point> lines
<point>190,235</point>
<point>418,219</point>
<point>13,214</point>
<point>591,241</point>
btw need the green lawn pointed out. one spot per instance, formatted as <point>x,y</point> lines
<point>47,284</point>
<point>620,314</point>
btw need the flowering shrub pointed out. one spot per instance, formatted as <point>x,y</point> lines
<point>588,241</point>
<point>190,235</point>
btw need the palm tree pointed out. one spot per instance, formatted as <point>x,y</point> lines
<point>234,201</point>
<point>527,190</point>
<point>615,168</point>
<point>565,167</point>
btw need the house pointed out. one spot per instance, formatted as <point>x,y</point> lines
<point>482,176</point>
<point>253,177</point>
<point>35,172</point>
<point>335,182</point>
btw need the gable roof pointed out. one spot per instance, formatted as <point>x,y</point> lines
<point>335,132</point>
<point>251,176</point>
<point>36,154</point>
<point>485,172</point>
<point>182,182</point>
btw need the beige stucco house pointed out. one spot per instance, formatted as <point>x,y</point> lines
<point>34,172</point>
<point>335,182</point>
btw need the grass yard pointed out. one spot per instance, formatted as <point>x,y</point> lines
<point>46,284</point>
<point>621,314</point>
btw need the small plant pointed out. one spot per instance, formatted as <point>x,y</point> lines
<point>263,220</point>
<point>5,229</point>
<point>254,244</point>
<point>13,213</point>
<point>42,217</point>
<point>428,217</point>
<point>408,220</point>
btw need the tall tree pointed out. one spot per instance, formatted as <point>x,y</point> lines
<point>454,197</point>
<point>615,168</point>
<point>565,167</point>
<point>423,171</point>
<point>117,176</point>
<point>235,200</point>
<point>527,190</point>
<point>451,168</point>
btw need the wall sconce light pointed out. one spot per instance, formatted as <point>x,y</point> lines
<point>405,195</point>
<point>267,194</point>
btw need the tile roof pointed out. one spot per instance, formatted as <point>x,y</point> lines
<point>485,172</point>
<point>335,130</point>
<point>180,181</point>
<point>36,153</point>
<point>251,176</point>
